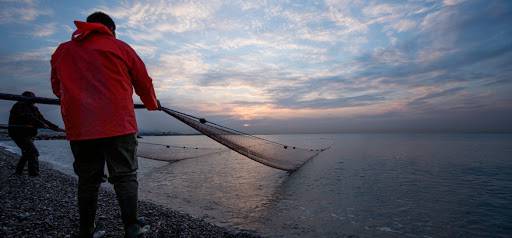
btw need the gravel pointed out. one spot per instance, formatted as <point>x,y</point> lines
<point>45,206</point>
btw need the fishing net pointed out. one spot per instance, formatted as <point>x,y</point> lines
<point>267,152</point>
<point>259,149</point>
<point>172,153</point>
<point>147,150</point>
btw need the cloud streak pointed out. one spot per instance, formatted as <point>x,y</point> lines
<point>272,61</point>
<point>21,11</point>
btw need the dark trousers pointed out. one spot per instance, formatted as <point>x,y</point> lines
<point>119,153</point>
<point>29,154</point>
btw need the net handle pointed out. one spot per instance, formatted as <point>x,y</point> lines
<point>42,100</point>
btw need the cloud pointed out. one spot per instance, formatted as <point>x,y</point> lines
<point>40,54</point>
<point>146,51</point>
<point>251,5</point>
<point>400,17</point>
<point>268,61</point>
<point>338,102</point>
<point>341,13</point>
<point>45,30</point>
<point>148,20</point>
<point>443,93</point>
<point>404,25</point>
<point>26,71</point>
<point>177,70</point>
<point>452,2</point>
<point>376,10</point>
<point>281,60</point>
<point>21,11</point>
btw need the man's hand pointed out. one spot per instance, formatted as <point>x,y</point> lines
<point>157,108</point>
<point>159,105</point>
<point>55,128</point>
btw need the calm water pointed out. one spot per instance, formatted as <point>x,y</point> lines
<point>368,185</point>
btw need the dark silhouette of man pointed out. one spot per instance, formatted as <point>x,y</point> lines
<point>24,120</point>
<point>94,75</point>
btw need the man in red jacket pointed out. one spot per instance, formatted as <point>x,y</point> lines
<point>94,75</point>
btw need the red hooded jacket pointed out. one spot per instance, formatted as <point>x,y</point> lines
<point>94,75</point>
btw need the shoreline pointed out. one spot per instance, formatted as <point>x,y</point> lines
<point>45,206</point>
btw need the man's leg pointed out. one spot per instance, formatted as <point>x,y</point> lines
<point>33,165</point>
<point>89,166</point>
<point>28,152</point>
<point>21,164</point>
<point>32,157</point>
<point>122,166</point>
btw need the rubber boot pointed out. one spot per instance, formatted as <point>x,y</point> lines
<point>33,166</point>
<point>138,230</point>
<point>98,232</point>
<point>21,165</point>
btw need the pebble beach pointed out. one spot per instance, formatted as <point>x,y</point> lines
<point>45,206</point>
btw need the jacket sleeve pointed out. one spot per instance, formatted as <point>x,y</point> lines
<point>55,81</point>
<point>141,81</point>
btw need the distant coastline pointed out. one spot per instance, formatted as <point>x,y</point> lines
<point>166,133</point>
<point>45,134</point>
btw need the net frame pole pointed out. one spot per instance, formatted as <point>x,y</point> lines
<point>42,100</point>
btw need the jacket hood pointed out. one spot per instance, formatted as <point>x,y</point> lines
<point>83,29</point>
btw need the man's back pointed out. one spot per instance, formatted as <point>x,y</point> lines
<point>23,120</point>
<point>94,75</point>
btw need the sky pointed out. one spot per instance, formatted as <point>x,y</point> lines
<point>291,66</point>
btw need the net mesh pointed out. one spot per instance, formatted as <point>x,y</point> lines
<point>264,151</point>
<point>172,153</point>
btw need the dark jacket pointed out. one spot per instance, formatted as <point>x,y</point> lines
<point>24,120</point>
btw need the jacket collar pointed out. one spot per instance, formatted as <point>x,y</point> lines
<point>86,28</point>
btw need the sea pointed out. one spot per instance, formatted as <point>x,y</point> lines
<point>365,185</point>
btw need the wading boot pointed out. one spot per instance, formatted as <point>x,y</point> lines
<point>138,230</point>
<point>98,232</point>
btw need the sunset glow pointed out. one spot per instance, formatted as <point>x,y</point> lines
<point>262,60</point>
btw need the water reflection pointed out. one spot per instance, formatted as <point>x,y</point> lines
<point>368,185</point>
<point>240,196</point>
